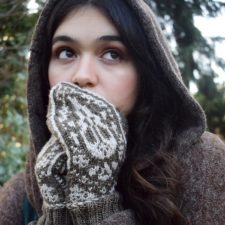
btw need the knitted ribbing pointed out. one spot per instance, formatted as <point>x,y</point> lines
<point>91,213</point>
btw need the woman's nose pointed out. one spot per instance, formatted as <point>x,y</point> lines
<point>85,74</point>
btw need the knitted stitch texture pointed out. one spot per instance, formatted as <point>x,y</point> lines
<point>78,167</point>
<point>11,200</point>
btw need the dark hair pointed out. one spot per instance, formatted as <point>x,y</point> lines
<point>148,180</point>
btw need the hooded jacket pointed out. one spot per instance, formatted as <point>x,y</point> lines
<point>202,155</point>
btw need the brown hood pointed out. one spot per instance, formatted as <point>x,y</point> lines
<point>192,116</point>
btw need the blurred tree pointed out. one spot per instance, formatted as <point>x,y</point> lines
<point>194,54</point>
<point>16,25</point>
<point>189,42</point>
<point>212,99</point>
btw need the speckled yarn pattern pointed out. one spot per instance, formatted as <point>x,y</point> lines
<point>81,161</point>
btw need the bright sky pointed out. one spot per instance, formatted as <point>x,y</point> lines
<point>32,6</point>
<point>210,27</point>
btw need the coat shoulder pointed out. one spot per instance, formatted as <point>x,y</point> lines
<point>212,142</point>
<point>203,181</point>
<point>11,200</point>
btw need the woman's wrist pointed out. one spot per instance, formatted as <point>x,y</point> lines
<point>94,212</point>
<point>82,213</point>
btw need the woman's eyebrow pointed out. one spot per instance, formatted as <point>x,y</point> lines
<point>110,38</point>
<point>65,38</point>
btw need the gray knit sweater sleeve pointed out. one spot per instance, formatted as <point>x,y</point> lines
<point>203,178</point>
<point>11,199</point>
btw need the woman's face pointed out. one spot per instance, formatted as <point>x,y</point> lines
<point>87,50</point>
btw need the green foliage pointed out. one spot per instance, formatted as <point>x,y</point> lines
<point>16,26</point>
<point>195,54</point>
<point>192,51</point>
<point>212,99</point>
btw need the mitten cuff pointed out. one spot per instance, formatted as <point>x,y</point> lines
<point>94,212</point>
<point>52,216</point>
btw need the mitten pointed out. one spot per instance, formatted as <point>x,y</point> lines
<point>50,172</point>
<point>84,154</point>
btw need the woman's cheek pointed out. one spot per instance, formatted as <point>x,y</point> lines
<point>122,92</point>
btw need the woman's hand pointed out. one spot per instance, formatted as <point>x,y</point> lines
<point>90,145</point>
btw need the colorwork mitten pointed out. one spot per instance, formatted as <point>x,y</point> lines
<point>78,167</point>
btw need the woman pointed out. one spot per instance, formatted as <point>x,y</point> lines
<point>113,52</point>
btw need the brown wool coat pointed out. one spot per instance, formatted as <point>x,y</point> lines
<point>201,155</point>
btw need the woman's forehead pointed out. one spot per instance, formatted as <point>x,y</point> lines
<point>86,22</point>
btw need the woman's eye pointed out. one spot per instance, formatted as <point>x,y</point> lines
<point>112,55</point>
<point>65,53</point>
